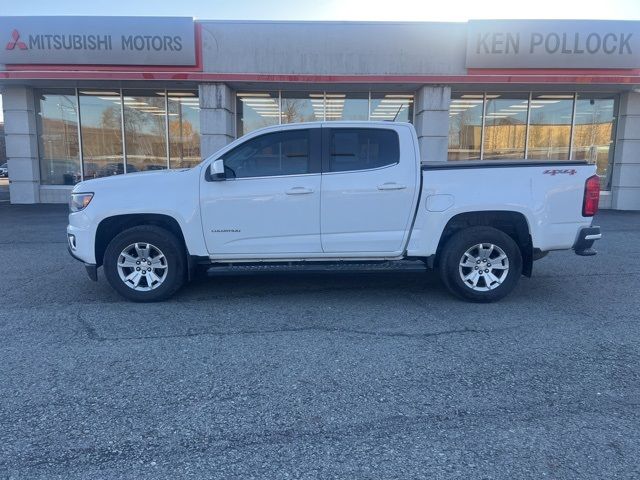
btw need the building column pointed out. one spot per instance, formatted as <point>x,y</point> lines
<point>432,122</point>
<point>216,117</point>
<point>21,144</point>
<point>625,178</point>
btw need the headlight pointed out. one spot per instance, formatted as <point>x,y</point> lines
<point>79,201</point>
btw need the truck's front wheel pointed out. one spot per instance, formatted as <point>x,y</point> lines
<point>145,263</point>
<point>481,264</point>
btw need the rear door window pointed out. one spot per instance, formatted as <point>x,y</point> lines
<point>351,149</point>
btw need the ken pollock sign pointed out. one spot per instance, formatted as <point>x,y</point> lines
<point>553,44</point>
<point>97,40</point>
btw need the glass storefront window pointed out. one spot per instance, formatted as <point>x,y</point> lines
<point>505,126</point>
<point>101,131</point>
<point>145,130</point>
<point>256,110</point>
<point>550,126</point>
<point>57,116</point>
<point>465,126</point>
<point>594,132</point>
<point>392,107</point>
<point>538,126</point>
<point>184,129</point>
<point>349,106</point>
<point>146,124</point>
<point>260,109</point>
<point>302,107</point>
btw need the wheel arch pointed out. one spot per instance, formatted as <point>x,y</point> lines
<point>109,227</point>
<point>512,223</point>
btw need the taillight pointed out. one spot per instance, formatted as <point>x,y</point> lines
<point>591,196</point>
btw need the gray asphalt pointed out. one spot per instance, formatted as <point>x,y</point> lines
<point>318,376</point>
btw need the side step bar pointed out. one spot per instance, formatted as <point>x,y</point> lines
<point>317,267</point>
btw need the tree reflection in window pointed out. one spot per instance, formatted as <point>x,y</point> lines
<point>184,129</point>
<point>101,131</point>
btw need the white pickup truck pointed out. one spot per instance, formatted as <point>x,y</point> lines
<point>333,195</point>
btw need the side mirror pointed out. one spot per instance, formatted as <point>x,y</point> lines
<point>216,171</point>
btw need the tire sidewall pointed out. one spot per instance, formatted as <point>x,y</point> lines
<point>459,243</point>
<point>162,239</point>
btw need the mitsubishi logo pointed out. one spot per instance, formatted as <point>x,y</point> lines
<point>15,41</point>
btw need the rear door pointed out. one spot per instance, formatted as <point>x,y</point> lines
<point>369,189</point>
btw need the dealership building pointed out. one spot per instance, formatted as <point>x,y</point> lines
<point>87,97</point>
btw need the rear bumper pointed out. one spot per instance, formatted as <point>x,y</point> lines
<point>586,237</point>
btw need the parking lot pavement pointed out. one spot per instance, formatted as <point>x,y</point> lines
<point>318,376</point>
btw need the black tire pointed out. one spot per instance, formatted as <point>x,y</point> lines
<point>163,240</point>
<point>452,254</point>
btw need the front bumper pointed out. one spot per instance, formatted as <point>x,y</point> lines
<point>586,237</point>
<point>92,269</point>
<point>80,241</point>
<point>81,237</point>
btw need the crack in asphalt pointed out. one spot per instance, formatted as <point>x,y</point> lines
<point>596,274</point>
<point>27,242</point>
<point>92,333</point>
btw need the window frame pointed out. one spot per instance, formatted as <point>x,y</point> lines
<point>314,152</point>
<point>326,149</point>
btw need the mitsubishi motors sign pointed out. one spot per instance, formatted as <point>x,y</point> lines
<point>97,40</point>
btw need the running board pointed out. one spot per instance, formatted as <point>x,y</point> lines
<point>317,267</point>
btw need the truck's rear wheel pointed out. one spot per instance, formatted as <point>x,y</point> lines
<point>145,263</point>
<point>481,264</point>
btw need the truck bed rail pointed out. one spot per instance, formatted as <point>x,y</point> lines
<point>458,165</point>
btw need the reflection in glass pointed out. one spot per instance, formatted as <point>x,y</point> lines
<point>465,126</point>
<point>593,133</point>
<point>549,132</point>
<point>353,149</point>
<point>392,107</point>
<point>350,106</point>
<point>256,110</point>
<point>260,109</point>
<point>550,126</point>
<point>505,126</point>
<point>271,154</point>
<point>58,138</point>
<point>302,107</point>
<point>100,118</point>
<point>184,129</point>
<point>145,130</point>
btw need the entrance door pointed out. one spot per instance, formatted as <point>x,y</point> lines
<point>270,200</point>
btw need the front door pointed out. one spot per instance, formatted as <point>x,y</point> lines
<point>270,201</point>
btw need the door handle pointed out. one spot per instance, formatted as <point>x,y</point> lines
<point>391,186</point>
<point>299,191</point>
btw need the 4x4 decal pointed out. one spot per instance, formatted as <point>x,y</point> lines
<point>560,171</point>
